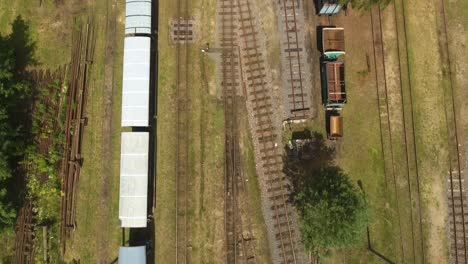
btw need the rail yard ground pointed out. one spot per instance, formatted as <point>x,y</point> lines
<point>202,235</point>
<point>401,73</point>
<point>404,167</point>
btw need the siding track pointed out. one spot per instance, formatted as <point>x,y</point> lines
<point>182,143</point>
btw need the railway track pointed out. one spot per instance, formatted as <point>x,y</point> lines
<point>182,141</point>
<point>384,114</point>
<point>410,139</point>
<point>456,194</point>
<point>411,171</point>
<point>297,96</point>
<point>282,234</point>
<point>239,247</point>
<point>230,84</point>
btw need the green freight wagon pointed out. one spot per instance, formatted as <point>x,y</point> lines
<point>333,42</point>
<point>332,74</point>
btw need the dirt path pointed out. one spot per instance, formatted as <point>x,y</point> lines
<point>107,128</point>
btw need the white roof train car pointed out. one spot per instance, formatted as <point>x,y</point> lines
<point>138,17</point>
<point>136,82</point>
<point>133,179</point>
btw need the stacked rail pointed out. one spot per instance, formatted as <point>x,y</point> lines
<point>25,234</point>
<point>280,216</point>
<point>82,55</point>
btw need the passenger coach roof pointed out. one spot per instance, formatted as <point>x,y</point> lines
<point>136,82</point>
<point>132,255</point>
<point>133,179</point>
<point>138,17</point>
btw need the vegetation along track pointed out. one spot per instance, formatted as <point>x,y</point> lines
<point>182,129</point>
<point>458,209</point>
<point>388,139</point>
<point>282,233</point>
<point>384,112</point>
<point>230,83</point>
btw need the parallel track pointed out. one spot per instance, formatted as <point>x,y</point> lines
<point>458,212</point>
<point>230,84</point>
<point>182,141</point>
<point>384,112</point>
<point>297,96</point>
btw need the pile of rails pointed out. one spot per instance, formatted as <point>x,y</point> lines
<point>332,75</point>
<point>25,234</point>
<point>75,121</point>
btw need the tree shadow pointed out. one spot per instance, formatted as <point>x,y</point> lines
<point>22,45</point>
<point>306,154</point>
<point>17,51</point>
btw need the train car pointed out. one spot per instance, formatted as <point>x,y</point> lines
<point>328,7</point>
<point>136,82</point>
<point>132,255</point>
<point>333,42</point>
<point>335,125</point>
<point>135,115</point>
<point>333,84</point>
<point>136,145</point>
<point>133,179</point>
<point>138,17</point>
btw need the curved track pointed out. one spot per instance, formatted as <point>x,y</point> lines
<point>266,137</point>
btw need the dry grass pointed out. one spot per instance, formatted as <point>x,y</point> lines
<point>206,125</point>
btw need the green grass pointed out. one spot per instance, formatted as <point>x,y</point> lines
<point>254,194</point>
<point>97,236</point>
<point>360,151</point>
<point>206,141</point>
<point>49,26</point>
<point>50,29</point>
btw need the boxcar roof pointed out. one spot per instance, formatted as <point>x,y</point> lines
<point>136,82</point>
<point>133,179</point>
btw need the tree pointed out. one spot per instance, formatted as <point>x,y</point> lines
<point>333,212</point>
<point>365,4</point>
<point>16,53</point>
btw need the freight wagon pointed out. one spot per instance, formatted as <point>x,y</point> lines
<point>332,76</point>
<point>333,84</point>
